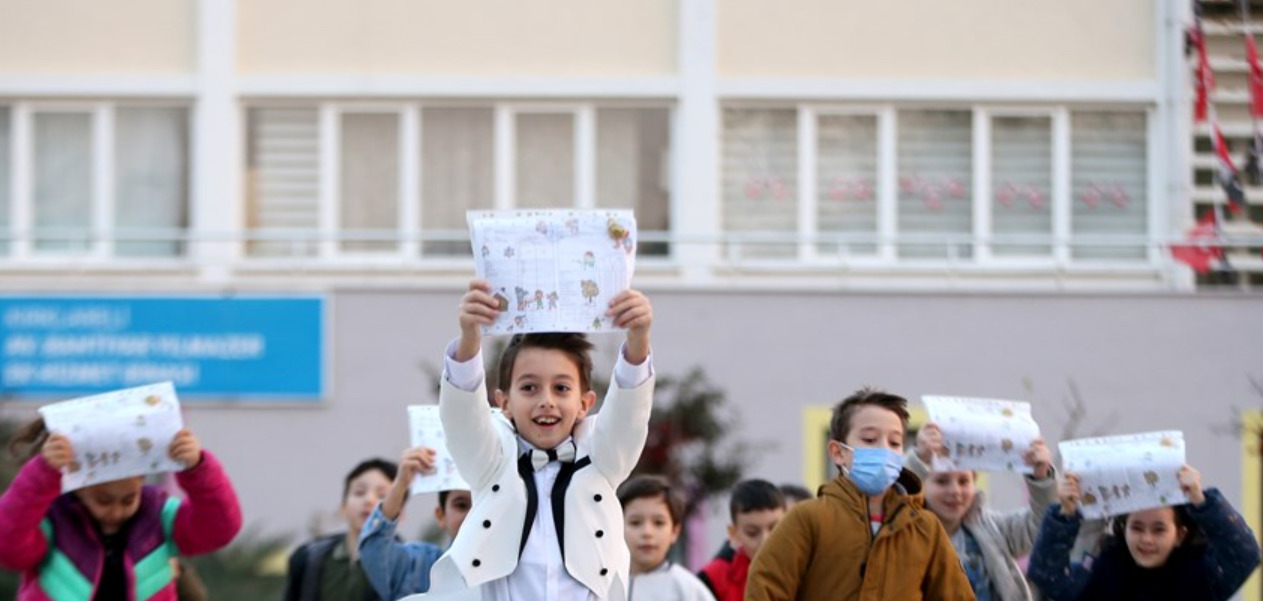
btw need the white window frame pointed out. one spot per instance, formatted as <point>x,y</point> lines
<point>22,114</point>
<point>411,170</point>
<point>1059,122</point>
<point>1062,237</point>
<point>808,160</point>
<point>408,185</point>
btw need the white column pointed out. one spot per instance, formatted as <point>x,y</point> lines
<point>102,245</point>
<point>807,149</point>
<point>1062,195</point>
<point>21,211</point>
<point>888,184</point>
<point>585,157</point>
<point>982,185</point>
<point>695,192</point>
<point>215,194</point>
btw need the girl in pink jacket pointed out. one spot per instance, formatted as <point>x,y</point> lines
<point>114,540</point>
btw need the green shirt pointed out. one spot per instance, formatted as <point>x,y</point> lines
<point>342,579</point>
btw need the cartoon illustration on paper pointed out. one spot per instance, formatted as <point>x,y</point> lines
<point>116,433</point>
<point>590,290</point>
<point>982,434</point>
<point>1126,473</point>
<point>556,265</point>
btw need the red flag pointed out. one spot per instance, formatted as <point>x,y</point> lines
<point>1226,173</point>
<point>1201,251</point>
<point>1256,76</point>
<point>1204,81</point>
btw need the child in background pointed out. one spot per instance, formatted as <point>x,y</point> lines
<point>652,514</point>
<point>754,507</point>
<point>397,569</point>
<point>794,494</point>
<point>328,568</point>
<point>545,523</point>
<point>1199,551</point>
<point>111,539</point>
<point>988,542</point>
<point>865,536</point>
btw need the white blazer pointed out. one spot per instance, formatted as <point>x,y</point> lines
<point>484,446</point>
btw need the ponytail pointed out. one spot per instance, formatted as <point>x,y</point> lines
<point>28,440</point>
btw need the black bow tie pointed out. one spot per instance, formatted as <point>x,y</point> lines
<point>564,453</point>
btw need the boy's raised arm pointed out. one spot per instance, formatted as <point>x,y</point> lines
<point>463,408</point>
<point>623,423</point>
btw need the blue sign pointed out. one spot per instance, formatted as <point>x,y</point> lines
<point>227,348</point>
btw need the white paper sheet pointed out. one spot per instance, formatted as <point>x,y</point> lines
<point>427,430</point>
<point>982,434</point>
<point>118,434</point>
<point>1122,474</point>
<point>554,270</point>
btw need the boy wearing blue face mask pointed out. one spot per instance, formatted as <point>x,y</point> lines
<point>867,535</point>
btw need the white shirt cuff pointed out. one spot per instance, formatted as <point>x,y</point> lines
<point>628,376</point>
<point>465,375</point>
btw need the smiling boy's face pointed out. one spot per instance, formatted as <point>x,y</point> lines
<point>544,399</point>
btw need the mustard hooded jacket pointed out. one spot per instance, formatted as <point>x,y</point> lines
<point>824,549</point>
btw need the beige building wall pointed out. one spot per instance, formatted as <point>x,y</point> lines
<point>961,39</point>
<point>90,37</point>
<point>471,38</point>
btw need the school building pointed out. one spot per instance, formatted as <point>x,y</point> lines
<point>264,201</point>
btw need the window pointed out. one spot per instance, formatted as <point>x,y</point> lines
<point>150,181</point>
<point>984,185</point>
<point>544,160</point>
<point>100,179</point>
<point>1021,185</point>
<point>405,172</point>
<point>633,155</point>
<point>283,180</point>
<point>847,180</point>
<point>1108,157</point>
<point>368,181</point>
<point>62,179</point>
<point>935,177</point>
<point>760,172</point>
<point>457,174</point>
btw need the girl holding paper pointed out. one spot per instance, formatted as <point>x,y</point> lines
<point>113,540</point>
<point>1202,550</point>
<point>987,541</point>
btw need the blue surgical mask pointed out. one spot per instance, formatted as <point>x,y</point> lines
<point>873,470</point>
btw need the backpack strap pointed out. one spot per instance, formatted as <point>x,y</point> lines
<point>317,551</point>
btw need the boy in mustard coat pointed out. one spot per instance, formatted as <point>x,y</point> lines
<point>867,536</point>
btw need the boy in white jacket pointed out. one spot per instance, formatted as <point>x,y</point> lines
<point>546,523</point>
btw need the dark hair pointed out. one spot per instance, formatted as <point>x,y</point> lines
<point>796,492</point>
<point>27,441</point>
<point>652,487</point>
<point>754,495</point>
<point>575,346</point>
<point>444,495</point>
<point>840,425</point>
<point>389,468</point>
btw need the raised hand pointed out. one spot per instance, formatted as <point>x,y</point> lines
<point>1039,457</point>
<point>1191,483</point>
<point>415,460</point>
<point>1069,493</point>
<point>185,449</point>
<point>58,451</point>
<point>477,309</point>
<point>929,442</point>
<point>631,310</point>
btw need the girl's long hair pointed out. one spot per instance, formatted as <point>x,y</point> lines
<point>28,440</point>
